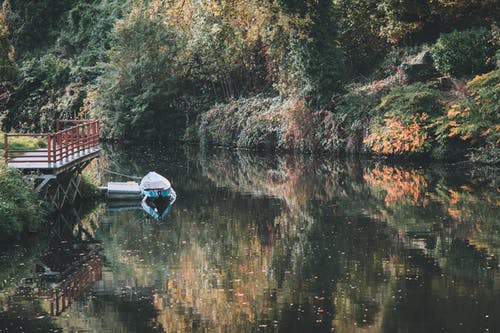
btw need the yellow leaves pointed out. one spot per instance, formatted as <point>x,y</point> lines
<point>456,214</point>
<point>477,80</point>
<point>452,113</point>
<point>454,132</point>
<point>454,197</point>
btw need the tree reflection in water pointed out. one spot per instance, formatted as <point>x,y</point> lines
<point>259,243</point>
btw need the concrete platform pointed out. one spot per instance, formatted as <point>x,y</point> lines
<point>123,191</point>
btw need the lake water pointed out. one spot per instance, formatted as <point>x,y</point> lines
<point>259,243</point>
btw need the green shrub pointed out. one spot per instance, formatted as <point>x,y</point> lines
<point>89,187</point>
<point>20,210</point>
<point>464,53</point>
<point>476,120</point>
<point>404,125</point>
<point>48,70</point>
<point>7,64</point>
<point>34,24</point>
<point>33,103</point>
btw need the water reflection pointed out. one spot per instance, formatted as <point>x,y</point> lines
<point>58,267</point>
<point>297,244</point>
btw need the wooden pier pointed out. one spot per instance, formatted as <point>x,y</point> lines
<point>57,167</point>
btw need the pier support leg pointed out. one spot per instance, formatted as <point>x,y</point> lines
<point>61,189</point>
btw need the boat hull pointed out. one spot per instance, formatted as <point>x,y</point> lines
<point>158,195</point>
<point>158,203</point>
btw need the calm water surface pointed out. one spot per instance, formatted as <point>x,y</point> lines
<point>267,244</point>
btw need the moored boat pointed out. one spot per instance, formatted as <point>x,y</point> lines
<point>158,195</point>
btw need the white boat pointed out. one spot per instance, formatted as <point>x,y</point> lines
<point>158,195</point>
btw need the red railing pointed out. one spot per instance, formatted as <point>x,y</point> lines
<point>70,288</point>
<point>61,146</point>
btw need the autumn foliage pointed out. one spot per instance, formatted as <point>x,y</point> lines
<point>476,119</point>
<point>404,125</point>
<point>399,185</point>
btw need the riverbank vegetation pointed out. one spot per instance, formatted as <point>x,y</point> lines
<point>383,77</point>
<point>20,209</point>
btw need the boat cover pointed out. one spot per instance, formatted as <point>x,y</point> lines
<point>154,181</point>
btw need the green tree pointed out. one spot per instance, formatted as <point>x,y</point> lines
<point>7,65</point>
<point>35,23</point>
<point>139,92</point>
<point>85,34</point>
<point>313,64</point>
<point>464,53</point>
<point>359,40</point>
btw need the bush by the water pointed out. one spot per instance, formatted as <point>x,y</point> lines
<point>476,120</point>
<point>464,53</point>
<point>270,123</point>
<point>20,209</point>
<point>404,123</point>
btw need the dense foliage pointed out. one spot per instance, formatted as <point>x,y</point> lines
<point>20,210</point>
<point>464,52</point>
<point>140,85</point>
<point>405,121</point>
<point>152,69</point>
<point>476,119</point>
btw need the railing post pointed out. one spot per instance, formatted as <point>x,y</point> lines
<point>89,135</point>
<point>52,301</point>
<point>78,139</point>
<point>6,147</point>
<point>73,138</point>
<point>84,136</point>
<point>54,148</point>
<point>94,131</point>
<point>60,143</point>
<point>57,125</point>
<point>49,143</point>
<point>65,145</point>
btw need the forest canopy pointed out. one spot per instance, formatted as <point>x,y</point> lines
<point>153,69</point>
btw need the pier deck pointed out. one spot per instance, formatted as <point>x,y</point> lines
<point>64,150</point>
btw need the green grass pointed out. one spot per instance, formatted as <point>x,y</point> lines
<point>24,143</point>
